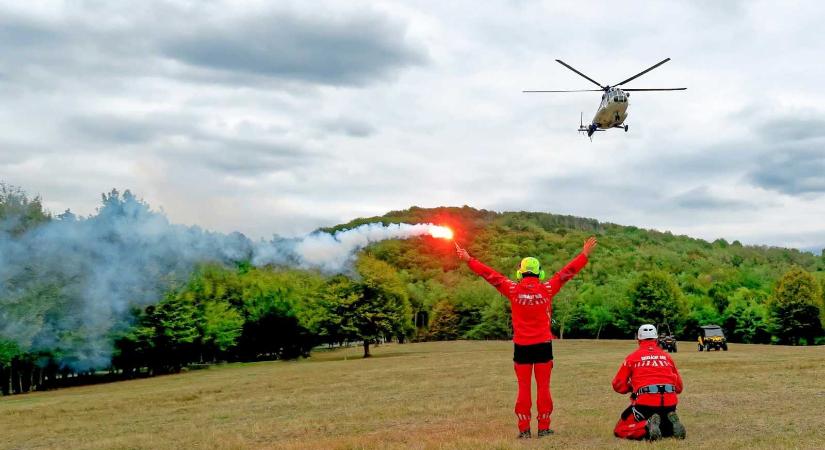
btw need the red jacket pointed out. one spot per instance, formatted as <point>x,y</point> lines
<point>530,299</point>
<point>648,365</point>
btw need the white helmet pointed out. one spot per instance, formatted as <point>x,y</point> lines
<point>647,331</point>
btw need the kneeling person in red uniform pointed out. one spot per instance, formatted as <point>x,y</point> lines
<point>530,300</point>
<point>651,378</point>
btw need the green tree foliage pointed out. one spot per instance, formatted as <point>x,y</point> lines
<point>19,212</point>
<point>373,309</point>
<point>243,314</point>
<point>597,316</point>
<point>656,299</point>
<point>383,309</point>
<point>747,317</point>
<point>568,311</point>
<point>444,323</point>
<point>334,323</point>
<point>278,310</point>
<point>424,294</point>
<point>495,322</point>
<point>222,326</point>
<point>821,303</point>
<point>381,280</point>
<point>470,300</point>
<point>794,307</point>
<point>9,352</point>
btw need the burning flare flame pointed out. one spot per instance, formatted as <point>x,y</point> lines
<point>438,231</point>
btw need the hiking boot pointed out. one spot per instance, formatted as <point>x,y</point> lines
<point>525,434</point>
<point>678,428</point>
<point>652,427</point>
<point>545,433</point>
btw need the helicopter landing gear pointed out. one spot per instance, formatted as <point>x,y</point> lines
<point>626,127</point>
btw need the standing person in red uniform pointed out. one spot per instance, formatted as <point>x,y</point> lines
<point>531,303</point>
<point>650,376</point>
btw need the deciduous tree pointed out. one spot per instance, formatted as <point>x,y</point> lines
<point>656,298</point>
<point>794,307</point>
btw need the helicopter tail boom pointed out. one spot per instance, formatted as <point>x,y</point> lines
<point>589,129</point>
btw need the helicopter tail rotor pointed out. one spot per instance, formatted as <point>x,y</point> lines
<point>589,130</point>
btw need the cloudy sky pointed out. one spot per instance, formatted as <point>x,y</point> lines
<point>279,117</point>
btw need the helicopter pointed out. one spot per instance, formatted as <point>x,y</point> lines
<point>613,109</point>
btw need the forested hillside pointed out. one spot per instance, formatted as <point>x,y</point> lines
<point>635,275</point>
<point>225,309</point>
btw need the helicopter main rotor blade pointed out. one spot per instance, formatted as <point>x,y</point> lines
<point>583,75</point>
<point>577,90</point>
<point>643,72</point>
<point>655,89</point>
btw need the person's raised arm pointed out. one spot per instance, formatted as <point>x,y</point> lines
<point>573,267</point>
<point>497,280</point>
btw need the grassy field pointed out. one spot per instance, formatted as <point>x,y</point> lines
<point>428,395</point>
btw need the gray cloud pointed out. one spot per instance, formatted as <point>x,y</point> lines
<point>782,129</point>
<point>791,171</point>
<point>334,51</point>
<point>20,32</point>
<point>343,47</point>
<point>348,126</point>
<point>108,128</point>
<point>187,141</point>
<point>13,152</point>
<point>701,198</point>
<point>791,154</point>
<point>245,157</point>
<point>580,195</point>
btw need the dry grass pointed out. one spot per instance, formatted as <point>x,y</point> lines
<point>430,395</point>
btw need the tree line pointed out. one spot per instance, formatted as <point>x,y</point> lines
<point>417,290</point>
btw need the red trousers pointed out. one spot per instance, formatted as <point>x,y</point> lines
<point>524,403</point>
<point>631,425</point>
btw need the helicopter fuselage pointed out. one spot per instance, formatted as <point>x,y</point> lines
<point>612,110</point>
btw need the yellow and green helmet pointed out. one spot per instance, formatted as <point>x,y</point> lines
<point>530,265</point>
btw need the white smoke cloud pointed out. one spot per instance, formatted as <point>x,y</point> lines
<point>334,252</point>
<point>70,283</point>
<point>67,284</point>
